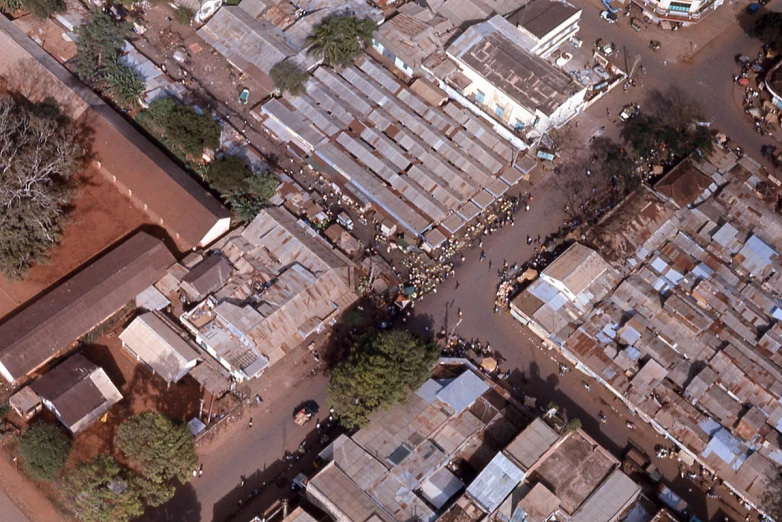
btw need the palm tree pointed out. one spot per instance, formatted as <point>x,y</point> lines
<point>341,38</point>
<point>124,83</point>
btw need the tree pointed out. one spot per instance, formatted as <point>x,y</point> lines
<point>43,8</point>
<point>10,6</point>
<point>38,157</point>
<point>184,16</point>
<point>575,187</point>
<point>771,502</point>
<point>228,174</point>
<point>572,425</point>
<point>380,371</point>
<point>124,83</point>
<point>671,135</point>
<point>98,42</point>
<point>157,447</point>
<point>613,163</point>
<point>341,38</point>
<point>102,491</point>
<point>183,129</point>
<point>247,192</point>
<point>768,28</point>
<point>45,449</point>
<point>289,76</point>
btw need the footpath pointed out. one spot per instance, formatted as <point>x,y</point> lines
<point>27,503</point>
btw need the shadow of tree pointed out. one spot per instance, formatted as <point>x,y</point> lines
<point>183,507</point>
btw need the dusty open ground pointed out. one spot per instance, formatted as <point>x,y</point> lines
<point>100,217</point>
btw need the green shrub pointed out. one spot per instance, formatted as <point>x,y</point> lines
<point>45,449</point>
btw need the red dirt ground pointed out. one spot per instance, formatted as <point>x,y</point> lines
<point>141,390</point>
<point>100,217</point>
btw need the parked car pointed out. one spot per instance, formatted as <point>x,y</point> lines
<point>244,96</point>
<point>563,59</point>
<point>605,47</point>
<point>608,16</point>
<point>628,112</point>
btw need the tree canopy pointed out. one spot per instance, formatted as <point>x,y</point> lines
<point>768,28</point>
<point>289,76</point>
<point>99,41</point>
<point>183,130</point>
<point>45,449</point>
<point>99,46</point>
<point>771,501</point>
<point>101,491</point>
<point>39,155</point>
<point>380,370</point>
<point>248,192</point>
<point>159,448</point>
<point>672,133</point>
<point>341,38</point>
<point>38,8</point>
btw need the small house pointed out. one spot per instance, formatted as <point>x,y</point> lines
<point>78,392</point>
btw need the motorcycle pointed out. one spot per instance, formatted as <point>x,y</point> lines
<point>602,418</point>
<point>654,45</point>
<point>586,385</point>
<point>630,425</point>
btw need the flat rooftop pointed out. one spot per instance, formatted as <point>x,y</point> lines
<point>495,51</point>
<point>574,470</point>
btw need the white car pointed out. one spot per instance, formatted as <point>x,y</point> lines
<point>563,59</point>
<point>576,42</point>
<point>608,17</point>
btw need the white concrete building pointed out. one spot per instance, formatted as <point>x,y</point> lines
<point>679,11</point>
<point>499,71</point>
<point>547,23</point>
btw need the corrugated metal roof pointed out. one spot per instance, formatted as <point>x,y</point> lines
<point>52,323</point>
<point>156,342</point>
<point>531,444</point>
<point>608,502</point>
<point>463,391</point>
<point>494,483</point>
<point>441,487</point>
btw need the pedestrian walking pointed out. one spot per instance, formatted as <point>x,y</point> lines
<point>457,285</point>
<point>490,263</point>
<point>200,470</point>
<point>251,422</point>
<point>483,255</point>
<point>459,312</point>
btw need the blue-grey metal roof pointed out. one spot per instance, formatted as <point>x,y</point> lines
<point>440,487</point>
<point>463,391</point>
<point>727,447</point>
<point>428,391</point>
<point>757,255</point>
<point>494,483</point>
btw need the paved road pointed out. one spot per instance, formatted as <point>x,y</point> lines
<point>696,62</point>
<point>252,452</point>
<point>8,510</point>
